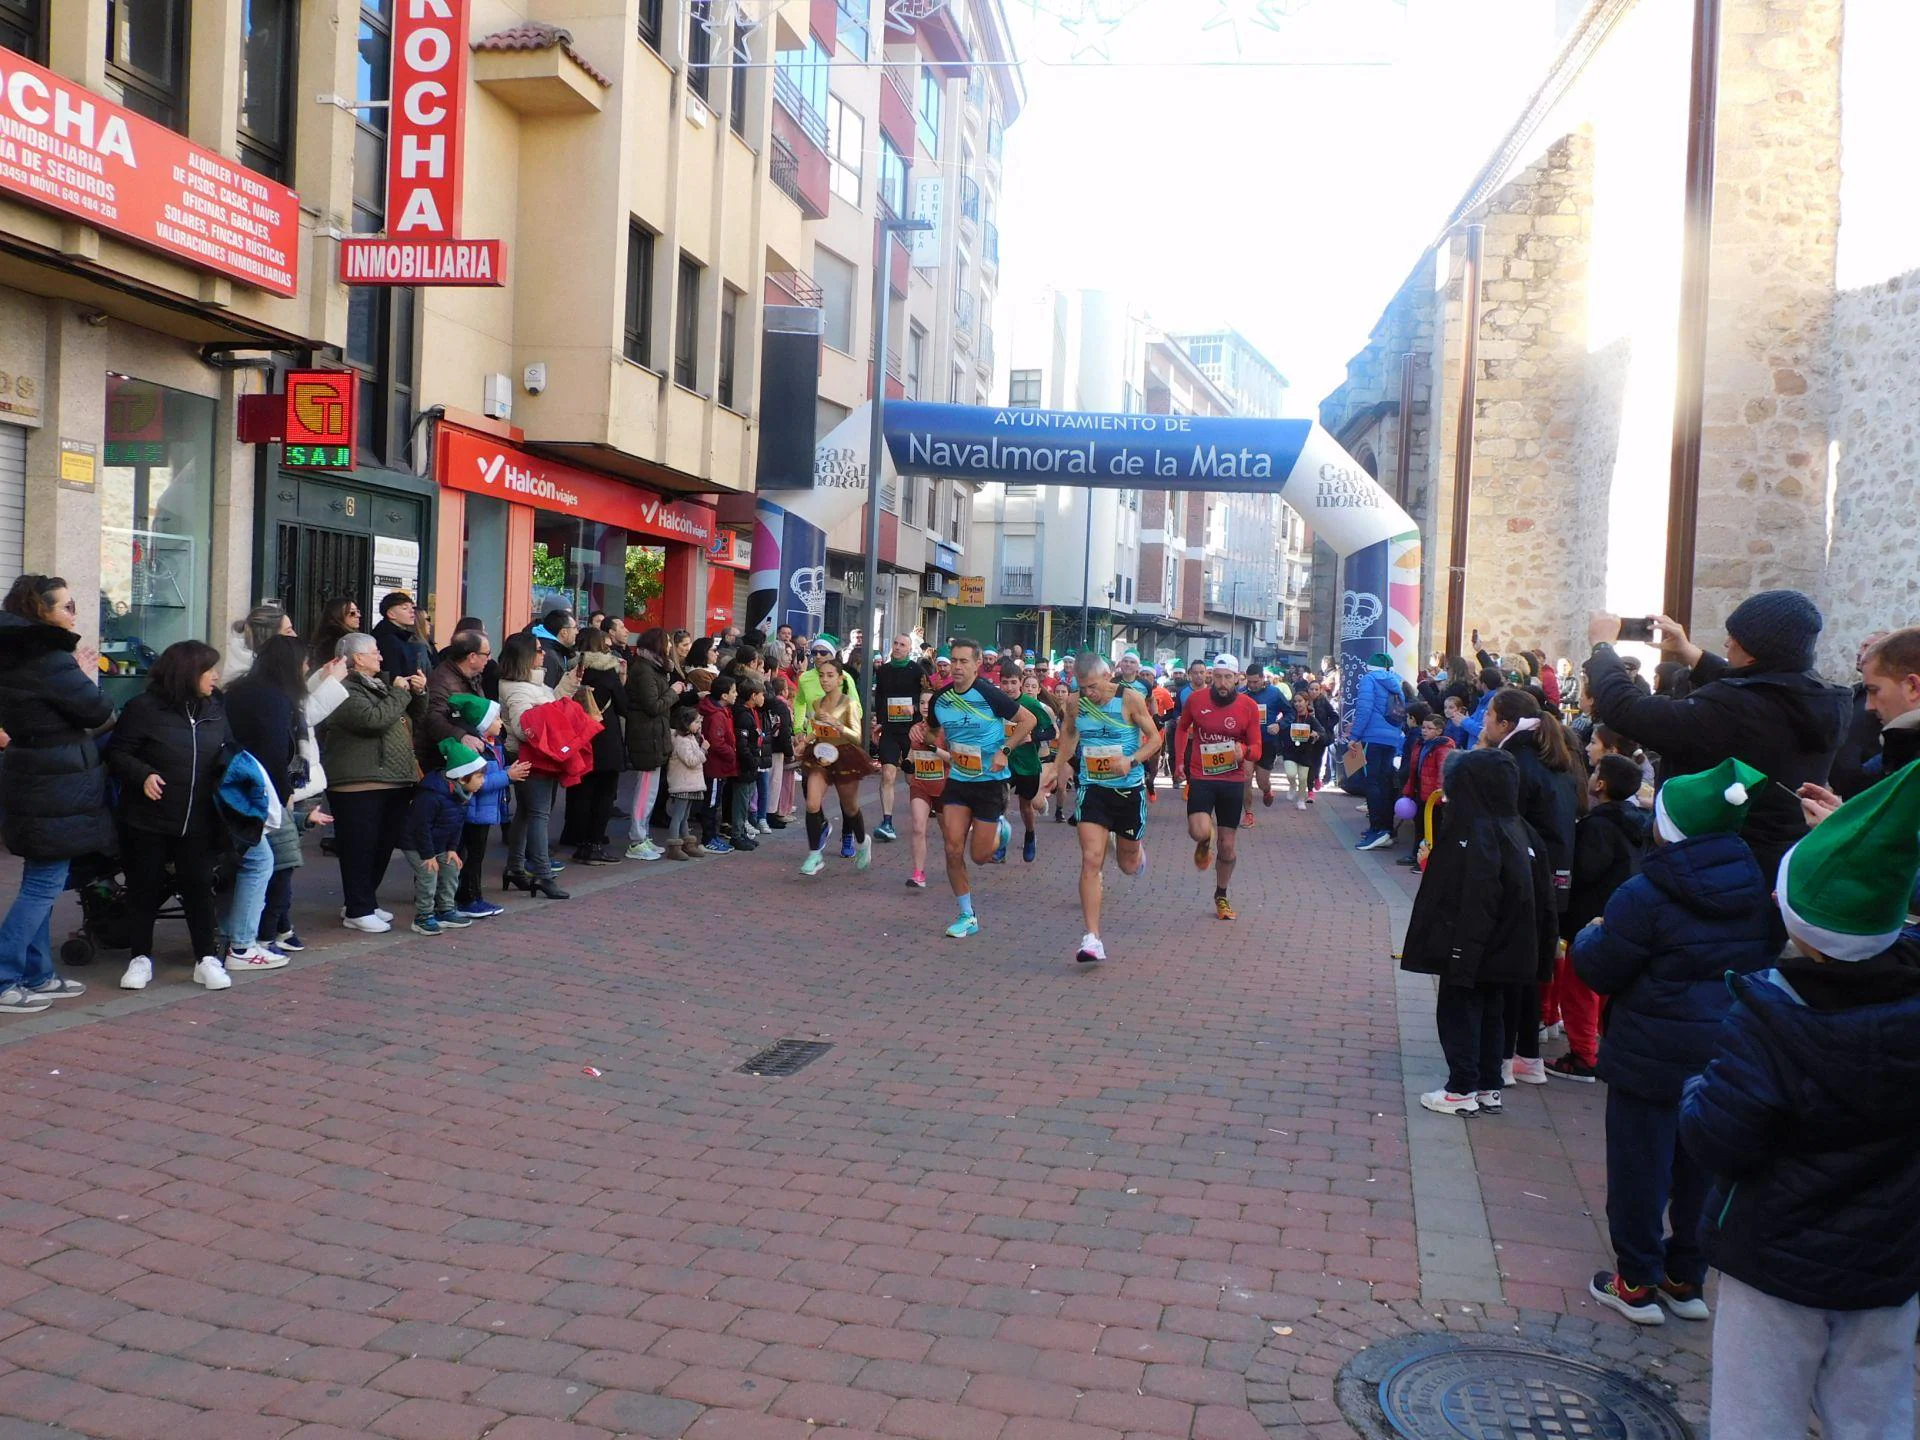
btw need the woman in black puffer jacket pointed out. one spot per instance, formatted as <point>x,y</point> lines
<point>52,784</point>
<point>166,754</point>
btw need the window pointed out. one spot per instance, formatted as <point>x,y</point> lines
<point>379,321</point>
<point>639,337</point>
<point>266,85</point>
<point>837,281</point>
<point>893,179</point>
<point>958,388</point>
<point>846,135</point>
<point>1024,388</point>
<point>916,359</point>
<point>700,47</point>
<point>147,58</point>
<point>851,28</point>
<point>23,28</point>
<point>909,496</point>
<point>800,87</point>
<point>927,125</point>
<point>650,22</point>
<point>957,515</point>
<point>729,343</point>
<point>686,328</point>
<point>737,81</point>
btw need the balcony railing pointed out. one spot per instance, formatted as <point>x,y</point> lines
<point>783,168</point>
<point>983,349</point>
<point>969,199</point>
<point>963,312</point>
<point>796,286</point>
<point>996,139</point>
<point>990,246</point>
<point>787,95</point>
<point>976,91</point>
<point>1017,584</point>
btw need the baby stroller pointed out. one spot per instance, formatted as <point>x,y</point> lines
<point>98,883</point>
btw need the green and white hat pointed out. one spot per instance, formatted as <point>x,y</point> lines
<point>1844,889</point>
<point>458,761</point>
<point>1713,802</point>
<point>474,710</point>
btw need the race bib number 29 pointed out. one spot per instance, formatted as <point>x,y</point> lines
<point>1106,762</point>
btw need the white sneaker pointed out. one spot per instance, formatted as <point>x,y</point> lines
<point>139,973</point>
<point>1091,951</point>
<point>385,916</point>
<point>644,850</point>
<point>212,974</point>
<point>253,958</point>
<point>1299,804</point>
<point>1445,1102</point>
<point>1506,1072</point>
<point>368,924</point>
<point>1530,1072</point>
<point>766,828</point>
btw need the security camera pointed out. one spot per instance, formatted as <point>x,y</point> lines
<point>534,380</point>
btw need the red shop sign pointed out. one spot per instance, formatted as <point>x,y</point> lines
<point>67,149</point>
<point>482,465</point>
<point>426,126</point>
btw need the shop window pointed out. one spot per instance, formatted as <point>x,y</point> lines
<point>638,345</point>
<point>147,58</point>
<point>580,565</point>
<point>23,28</point>
<point>156,524</point>
<point>729,344</point>
<point>267,29</point>
<point>700,48</point>
<point>686,324</point>
<point>846,134</point>
<point>650,22</point>
<point>837,281</point>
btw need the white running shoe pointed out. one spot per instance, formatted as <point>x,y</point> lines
<point>378,914</point>
<point>863,856</point>
<point>368,924</point>
<point>1445,1102</point>
<point>253,958</point>
<point>1091,952</point>
<point>1299,804</point>
<point>1530,1072</point>
<point>212,974</point>
<point>1506,1072</point>
<point>139,973</point>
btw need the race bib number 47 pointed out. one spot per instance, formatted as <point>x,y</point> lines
<point>967,763</point>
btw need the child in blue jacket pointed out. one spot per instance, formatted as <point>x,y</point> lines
<point>487,807</point>
<point>1809,1120</point>
<point>431,837</point>
<point>1662,949</point>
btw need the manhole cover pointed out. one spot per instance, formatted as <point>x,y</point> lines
<point>1516,1392</point>
<point>784,1057</point>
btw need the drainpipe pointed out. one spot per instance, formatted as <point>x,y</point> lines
<point>1463,440</point>
<point>1696,262</point>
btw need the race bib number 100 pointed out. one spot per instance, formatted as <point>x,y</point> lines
<point>928,766</point>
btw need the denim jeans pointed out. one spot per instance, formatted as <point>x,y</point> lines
<point>1380,786</point>
<point>26,952</point>
<point>531,831</point>
<point>249,896</point>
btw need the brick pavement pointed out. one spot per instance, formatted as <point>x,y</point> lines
<point>376,1193</point>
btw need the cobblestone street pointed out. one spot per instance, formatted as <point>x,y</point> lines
<point>384,1193</point>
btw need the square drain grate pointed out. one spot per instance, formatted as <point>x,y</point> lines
<point>784,1057</point>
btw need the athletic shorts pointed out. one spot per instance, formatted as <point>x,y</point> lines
<point>932,794</point>
<point>1222,799</point>
<point>894,745</point>
<point>987,799</point>
<point>1124,812</point>
<point>1027,787</point>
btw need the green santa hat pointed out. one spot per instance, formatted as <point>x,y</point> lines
<point>474,711</point>
<point>458,761</point>
<point>1844,890</point>
<point>1713,802</point>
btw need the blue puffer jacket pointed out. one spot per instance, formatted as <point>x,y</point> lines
<point>1809,1119</point>
<point>1477,721</point>
<point>1374,698</point>
<point>489,804</point>
<point>1669,936</point>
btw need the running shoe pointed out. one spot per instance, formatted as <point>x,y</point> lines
<point>1266,798</point>
<point>478,910</point>
<point>54,987</point>
<point>1572,1067</point>
<point>719,845</point>
<point>1091,951</point>
<point>918,880</point>
<point>252,959</point>
<point>1636,1302</point>
<point>815,862</point>
<point>846,846</point>
<point>15,1000</point>
<point>1203,853</point>
<point>884,831</point>
<point>1687,1302</point>
<point>863,854</point>
<point>1299,804</point>
<point>451,920</point>
<point>212,974</point>
<point>1246,822</point>
<point>290,941</point>
<point>1445,1102</point>
<point>965,926</point>
<point>1030,849</point>
<point>1006,839</point>
<point>1489,1101</point>
<point>1530,1072</point>
<point>1223,908</point>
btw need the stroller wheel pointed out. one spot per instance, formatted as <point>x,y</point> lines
<point>76,950</point>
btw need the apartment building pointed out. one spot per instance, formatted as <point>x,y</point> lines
<point>887,118</point>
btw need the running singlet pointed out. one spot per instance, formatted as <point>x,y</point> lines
<point>975,724</point>
<point>1108,743</point>
<point>1211,735</point>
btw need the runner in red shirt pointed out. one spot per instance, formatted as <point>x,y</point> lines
<point>1215,741</point>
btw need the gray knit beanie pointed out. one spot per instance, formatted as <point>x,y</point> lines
<point>1778,628</point>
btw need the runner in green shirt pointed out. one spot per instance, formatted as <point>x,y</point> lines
<point>1025,762</point>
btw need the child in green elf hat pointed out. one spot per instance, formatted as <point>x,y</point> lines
<point>432,835</point>
<point>1809,1120</point>
<point>1662,949</point>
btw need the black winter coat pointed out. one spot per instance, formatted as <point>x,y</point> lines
<point>1809,1119</point>
<point>649,702</point>
<point>53,786</point>
<point>1550,803</point>
<point>266,724</point>
<point>1786,724</point>
<point>749,740</point>
<point>1697,910</point>
<point>779,716</point>
<point>1608,844</point>
<point>1484,913</point>
<point>184,748</point>
<point>610,693</point>
<point>402,652</point>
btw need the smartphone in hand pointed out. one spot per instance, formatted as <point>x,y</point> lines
<point>1640,628</point>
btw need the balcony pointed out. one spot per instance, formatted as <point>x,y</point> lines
<point>996,141</point>
<point>896,111</point>
<point>793,287</point>
<point>976,92</point>
<point>1016,584</point>
<point>783,168</point>
<point>970,199</point>
<point>963,313</point>
<point>983,351</point>
<point>990,246</point>
<point>896,384</point>
<point>787,95</point>
<point>798,160</point>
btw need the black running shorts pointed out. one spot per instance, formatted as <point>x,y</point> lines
<point>1222,799</point>
<point>1124,812</point>
<point>987,799</point>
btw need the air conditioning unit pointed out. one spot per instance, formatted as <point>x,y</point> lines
<point>497,398</point>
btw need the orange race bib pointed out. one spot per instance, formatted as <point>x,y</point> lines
<point>928,767</point>
<point>900,709</point>
<point>1106,762</point>
<point>967,762</point>
<point>1300,733</point>
<point>1219,757</point>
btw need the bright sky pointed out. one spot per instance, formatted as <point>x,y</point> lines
<point>1286,200</point>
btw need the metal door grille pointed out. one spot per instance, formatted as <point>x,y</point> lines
<point>317,564</point>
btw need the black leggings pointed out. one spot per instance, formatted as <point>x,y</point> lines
<point>1523,1022</point>
<point>146,859</point>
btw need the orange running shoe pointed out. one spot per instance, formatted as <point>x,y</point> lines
<point>1223,908</point>
<point>1203,854</point>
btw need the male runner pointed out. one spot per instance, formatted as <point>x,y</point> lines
<point>1113,731</point>
<point>895,707</point>
<point>971,720</point>
<point>1276,708</point>
<point>1217,734</point>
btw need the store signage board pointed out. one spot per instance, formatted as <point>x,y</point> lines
<point>376,260</point>
<point>482,465</point>
<point>69,150</point>
<point>426,127</point>
<point>321,420</point>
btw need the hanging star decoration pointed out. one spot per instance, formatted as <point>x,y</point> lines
<point>903,15</point>
<point>1092,24</point>
<point>1234,15</point>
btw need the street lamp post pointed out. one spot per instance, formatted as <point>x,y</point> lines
<point>882,299</point>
